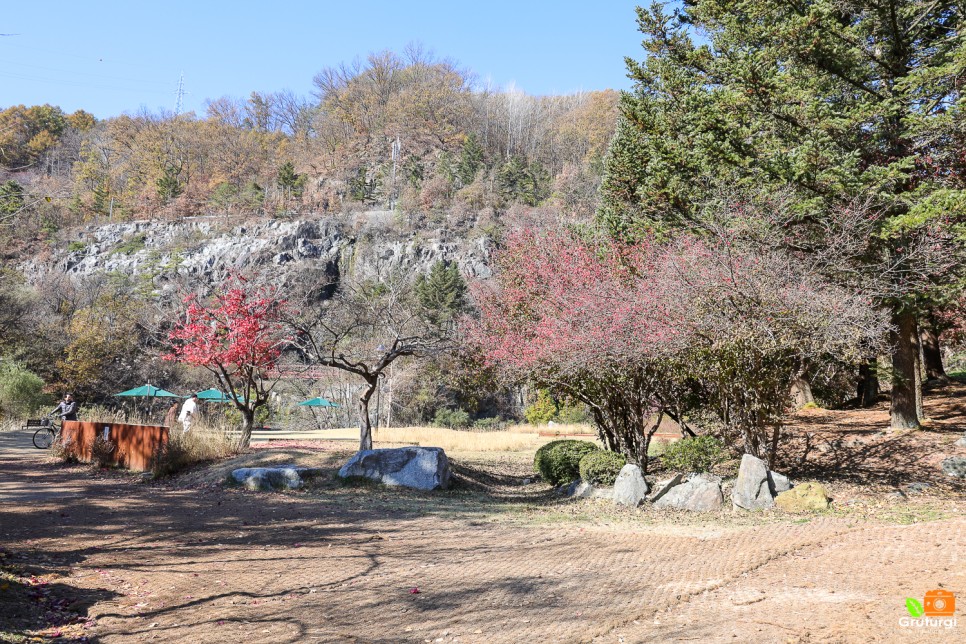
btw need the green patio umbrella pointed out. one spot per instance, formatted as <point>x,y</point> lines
<point>216,395</point>
<point>317,402</point>
<point>148,391</point>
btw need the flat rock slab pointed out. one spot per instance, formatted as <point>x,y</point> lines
<point>700,493</point>
<point>585,490</point>
<point>283,477</point>
<point>422,468</point>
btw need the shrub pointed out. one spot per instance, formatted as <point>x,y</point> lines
<point>21,391</point>
<point>601,467</point>
<point>102,452</point>
<point>64,451</point>
<point>559,461</point>
<point>543,409</point>
<point>452,418</point>
<point>697,454</point>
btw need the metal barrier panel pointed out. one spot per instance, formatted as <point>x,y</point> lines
<point>134,445</point>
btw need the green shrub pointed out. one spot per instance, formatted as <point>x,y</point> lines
<point>697,454</point>
<point>494,423</point>
<point>21,391</point>
<point>601,467</point>
<point>452,418</point>
<point>543,409</point>
<point>559,461</point>
<point>76,246</point>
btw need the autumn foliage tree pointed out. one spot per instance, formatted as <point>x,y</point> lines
<point>238,336</point>
<point>680,328</point>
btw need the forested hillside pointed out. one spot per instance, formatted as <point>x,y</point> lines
<point>395,163</point>
<point>406,131</point>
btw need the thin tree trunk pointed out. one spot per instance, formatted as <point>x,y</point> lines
<point>868,388</point>
<point>801,392</point>
<point>905,378</point>
<point>248,422</point>
<point>932,356</point>
<point>365,427</point>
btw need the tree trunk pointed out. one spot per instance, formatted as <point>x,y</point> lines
<point>365,426</point>
<point>801,392</point>
<point>905,377</point>
<point>932,357</point>
<point>868,388</point>
<point>248,422</point>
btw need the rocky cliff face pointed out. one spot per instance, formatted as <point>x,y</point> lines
<point>201,250</point>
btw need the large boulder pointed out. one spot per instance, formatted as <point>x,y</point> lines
<point>630,488</point>
<point>955,466</point>
<point>805,497</point>
<point>423,468</point>
<point>962,441</point>
<point>756,485</point>
<point>279,477</point>
<point>700,493</point>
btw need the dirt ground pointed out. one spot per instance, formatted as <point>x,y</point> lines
<point>113,557</point>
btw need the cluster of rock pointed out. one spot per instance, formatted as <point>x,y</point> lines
<point>422,468</point>
<point>756,488</point>
<point>279,477</point>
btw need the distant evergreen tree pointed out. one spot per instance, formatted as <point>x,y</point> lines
<point>289,180</point>
<point>471,160</point>
<point>441,294</point>
<point>169,184</point>
<point>11,197</point>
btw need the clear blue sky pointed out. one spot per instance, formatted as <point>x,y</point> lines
<point>115,57</point>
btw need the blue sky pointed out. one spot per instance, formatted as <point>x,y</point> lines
<point>114,57</point>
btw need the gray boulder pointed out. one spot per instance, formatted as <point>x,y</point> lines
<point>955,466</point>
<point>962,441</point>
<point>700,493</point>
<point>779,483</point>
<point>281,477</point>
<point>422,468</point>
<point>585,490</point>
<point>663,487</point>
<point>630,488</point>
<point>756,485</point>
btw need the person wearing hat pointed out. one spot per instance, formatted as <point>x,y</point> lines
<point>188,411</point>
<point>67,409</point>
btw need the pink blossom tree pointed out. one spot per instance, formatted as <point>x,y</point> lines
<point>239,337</point>
<point>683,327</point>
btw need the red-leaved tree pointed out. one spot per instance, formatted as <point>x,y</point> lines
<point>683,327</point>
<point>238,336</point>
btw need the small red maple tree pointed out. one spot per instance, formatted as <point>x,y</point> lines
<point>238,336</point>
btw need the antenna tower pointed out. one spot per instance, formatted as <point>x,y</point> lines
<point>179,103</point>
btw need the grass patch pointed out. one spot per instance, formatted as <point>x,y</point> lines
<point>131,245</point>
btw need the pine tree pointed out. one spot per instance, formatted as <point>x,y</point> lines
<point>837,101</point>
<point>441,294</point>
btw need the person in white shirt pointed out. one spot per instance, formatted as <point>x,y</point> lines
<point>188,411</point>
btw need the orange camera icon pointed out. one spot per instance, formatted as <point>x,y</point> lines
<point>939,603</point>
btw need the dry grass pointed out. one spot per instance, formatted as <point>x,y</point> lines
<point>200,445</point>
<point>518,438</point>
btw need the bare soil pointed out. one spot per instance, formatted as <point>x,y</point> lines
<point>112,557</point>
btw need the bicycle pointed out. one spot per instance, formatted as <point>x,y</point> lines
<point>49,431</point>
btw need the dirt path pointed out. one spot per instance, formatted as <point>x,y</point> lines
<point>217,565</point>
